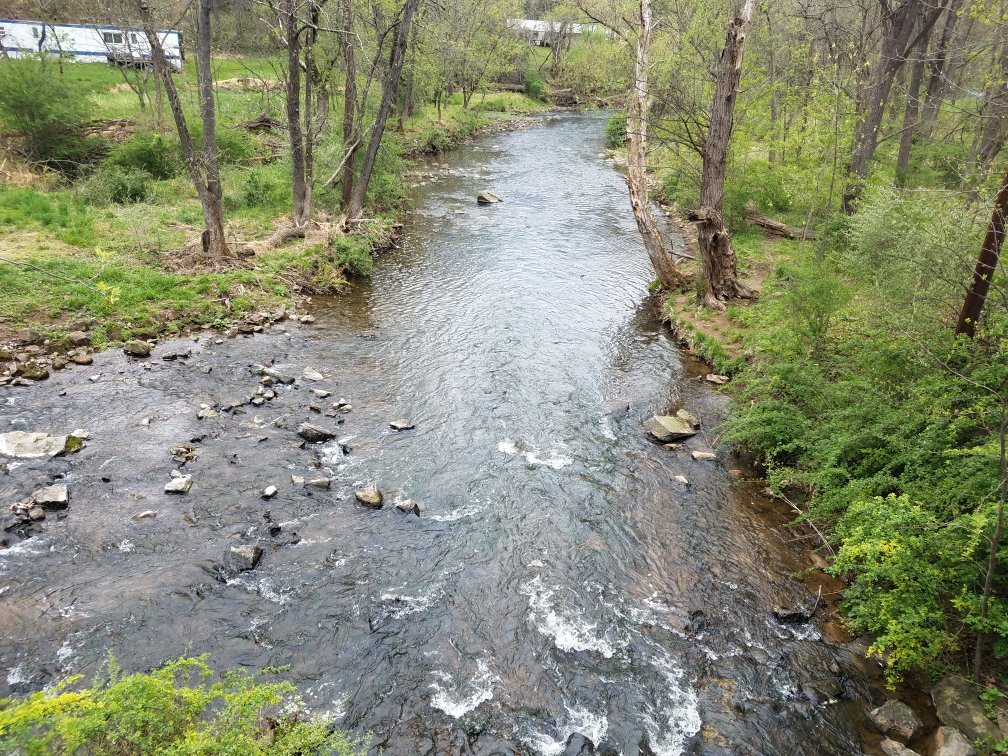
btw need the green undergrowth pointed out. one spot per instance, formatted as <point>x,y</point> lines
<point>182,707</point>
<point>858,400</point>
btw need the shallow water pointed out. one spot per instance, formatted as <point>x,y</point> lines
<point>556,578</point>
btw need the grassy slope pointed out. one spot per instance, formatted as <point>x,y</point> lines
<point>66,255</point>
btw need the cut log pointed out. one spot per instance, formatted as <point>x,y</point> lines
<point>778,228</point>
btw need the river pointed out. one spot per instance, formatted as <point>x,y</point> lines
<point>558,579</point>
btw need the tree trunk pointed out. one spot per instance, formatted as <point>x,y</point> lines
<point>213,239</point>
<point>350,140</point>
<point>406,111</point>
<point>994,121</point>
<point>356,205</point>
<point>717,258</point>
<point>292,33</point>
<point>669,276</point>
<point>911,115</point>
<point>897,28</point>
<point>937,69</point>
<point>986,265</point>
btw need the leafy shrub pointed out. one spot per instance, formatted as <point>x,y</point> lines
<point>46,113</point>
<point>535,85</point>
<point>681,189</point>
<point>121,186</point>
<point>755,183</point>
<point>152,153</point>
<point>386,189</point>
<point>60,213</point>
<point>615,131</point>
<point>262,190</point>
<point>354,254</point>
<point>234,146</point>
<point>175,709</point>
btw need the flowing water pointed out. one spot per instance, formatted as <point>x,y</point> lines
<point>558,580</point>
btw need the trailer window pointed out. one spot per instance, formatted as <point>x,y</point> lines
<point>112,38</point>
<point>35,32</point>
<point>133,38</point>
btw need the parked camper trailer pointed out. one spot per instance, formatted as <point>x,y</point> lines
<point>87,43</point>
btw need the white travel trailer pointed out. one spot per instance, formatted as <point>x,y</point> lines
<point>87,43</point>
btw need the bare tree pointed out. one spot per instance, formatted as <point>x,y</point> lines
<point>638,107</point>
<point>203,168</point>
<point>898,26</point>
<point>717,258</point>
<point>986,264</point>
<point>391,84</point>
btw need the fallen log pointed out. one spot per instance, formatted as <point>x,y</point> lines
<point>263,122</point>
<point>778,228</point>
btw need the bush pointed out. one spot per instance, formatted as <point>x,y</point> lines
<point>615,131</point>
<point>151,153</point>
<point>354,255</point>
<point>46,113</point>
<point>535,85</point>
<point>263,191</point>
<point>754,183</point>
<point>234,146</point>
<point>175,709</point>
<point>121,186</point>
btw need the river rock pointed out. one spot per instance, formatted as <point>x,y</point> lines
<point>958,705</point>
<point>409,506</point>
<point>950,742</point>
<point>36,513</point>
<point>688,417</point>
<point>269,492</point>
<point>402,424</point>
<point>578,745</point>
<point>716,379</point>
<point>682,480</point>
<point>81,357</point>
<point>703,456</point>
<point>895,748</point>
<point>274,374</point>
<point>370,496</point>
<point>617,408</point>
<point>28,336</point>
<point>137,348</point>
<point>179,485</point>
<point>897,720</point>
<point>321,393</point>
<point>312,375</point>
<point>78,338</point>
<point>33,371</point>
<point>487,198</point>
<point>28,445</point>
<point>666,428</point>
<point>315,434</point>
<point>147,514</point>
<point>324,483</point>
<point>243,557</point>
<point>6,355</point>
<point>52,497</point>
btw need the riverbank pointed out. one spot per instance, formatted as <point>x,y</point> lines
<point>80,277</point>
<point>855,425</point>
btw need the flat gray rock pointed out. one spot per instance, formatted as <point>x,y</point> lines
<point>315,434</point>
<point>52,497</point>
<point>28,445</point>
<point>137,348</point>
<point>950,742</point>
<point>957,702</point>
<point>402,424</point>
<point>666,428</point>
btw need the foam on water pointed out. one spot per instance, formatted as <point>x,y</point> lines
<point>677,718</point>
<point>554,458</point>
<point>580,720</point>
<point>567,627</point>
<point>17,675</point>
<point>456,700</point>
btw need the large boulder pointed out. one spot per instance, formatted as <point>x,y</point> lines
<point>487,198</point>
<point>52,497</point>
<point>242,558</point>
<point>28,445</point>
<point>666,428</point>
<point>137,348</point>
<point>950,742</point>
<point>958,705</point>
<point>897,720</point>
